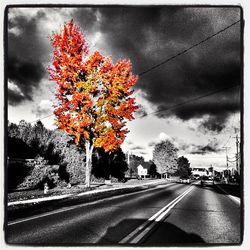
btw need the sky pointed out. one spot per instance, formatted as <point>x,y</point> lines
<point>192,100</point>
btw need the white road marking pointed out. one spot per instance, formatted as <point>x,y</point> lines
<point>80,205</point>
<point>140,232</point>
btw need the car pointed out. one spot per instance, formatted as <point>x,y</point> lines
<point>216,178</point>
<point>196,177</point>
<point>185,180</point>
<point>207,181</point>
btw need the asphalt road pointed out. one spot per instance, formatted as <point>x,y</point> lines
<point>169,214</point>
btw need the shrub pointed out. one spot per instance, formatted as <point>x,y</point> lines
<point>96,180</point>
<point>37,174</point>
<point>16,173</point>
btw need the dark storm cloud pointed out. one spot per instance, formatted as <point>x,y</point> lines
<point>25,75</point>
<point>152,144</point>
<point>150,35</point>
<point>15,97</point>
<point>213,123</point>
<point>211,147</point>
<point>142,153</point>
<point>205,149</point>
<point>26,54</point>
<point>135,147</point>
<point>140,112</point>
<point>217,107</point>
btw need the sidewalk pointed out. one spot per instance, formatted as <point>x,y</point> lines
<point>101,189</point>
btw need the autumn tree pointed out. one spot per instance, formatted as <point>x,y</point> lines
<point>165,157</point>
<point>94,95</point>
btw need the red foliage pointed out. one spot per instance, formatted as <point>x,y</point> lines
<point>94,97</point>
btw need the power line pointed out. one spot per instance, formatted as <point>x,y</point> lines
<point>171,107</point>
<point>227,141</point>
<point>42,118</point>
<point>189,101</point>
<point>233,121</point>
<point>186,50</point>
<point>231,161</point>
<point>171,58</point>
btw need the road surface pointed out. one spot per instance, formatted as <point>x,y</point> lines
<point>169,214</point>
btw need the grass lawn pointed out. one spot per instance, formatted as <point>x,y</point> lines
<point>33,194</point>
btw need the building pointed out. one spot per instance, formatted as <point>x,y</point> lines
<point>142,171</point>
<point>199,171</point>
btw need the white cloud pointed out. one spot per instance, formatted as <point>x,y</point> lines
<point>51,20</point>
<point>55,18</point>
<point>12,86</point>
<point>95,38</point>
<point>163,136</point>
<point>15,31</point>
<point>43,108</point>
<point>45,104</point>
<point>28,13</point>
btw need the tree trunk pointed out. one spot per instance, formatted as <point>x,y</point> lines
<point>107,171</point>
<point>89,150</point>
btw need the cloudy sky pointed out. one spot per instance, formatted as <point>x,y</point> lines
<point>192,99</point>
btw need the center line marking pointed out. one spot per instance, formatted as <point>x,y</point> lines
<point>140,232</point>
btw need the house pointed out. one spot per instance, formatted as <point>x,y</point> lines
<point>142,171</point>
<point>199,171</point>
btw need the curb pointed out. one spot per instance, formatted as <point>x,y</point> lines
<point>233,198</point>
<point>82,194</point>
<point>16,211</point>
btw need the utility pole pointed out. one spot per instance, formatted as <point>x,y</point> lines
<point>227,161</point>
<point>128,157</point>
<point>237,153</point>
<point>212,170</point>
<point>226,155</point>
<point>130,173</point>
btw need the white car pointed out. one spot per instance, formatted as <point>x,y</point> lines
<point>185,180</point>
<point>207,181</point>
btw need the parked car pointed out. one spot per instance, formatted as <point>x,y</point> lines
<point>216,178</point>
<point>185,180</point>
<point>196,177</point>
<point>207,181</point>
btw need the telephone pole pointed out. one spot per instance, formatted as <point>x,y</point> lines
<point>227,177</point>
<point>128,161</point>
<point>237,153</point>
<point>128,156</point>
<point>226,155</point>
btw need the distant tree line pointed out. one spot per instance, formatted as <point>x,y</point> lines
<point>58,160</point>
